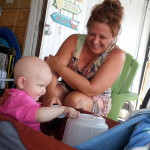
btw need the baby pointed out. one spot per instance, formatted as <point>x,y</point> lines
<point>31,75</point>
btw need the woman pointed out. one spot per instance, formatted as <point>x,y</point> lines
<point>88,64</point>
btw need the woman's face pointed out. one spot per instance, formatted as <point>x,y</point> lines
<point>99,37</point>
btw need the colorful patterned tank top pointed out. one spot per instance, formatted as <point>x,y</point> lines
<point>90,71</point>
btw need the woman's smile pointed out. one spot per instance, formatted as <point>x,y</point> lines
<point>99,37</point>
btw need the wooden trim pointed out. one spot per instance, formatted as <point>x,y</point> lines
<point>144,83</point>
<point>32,27</point>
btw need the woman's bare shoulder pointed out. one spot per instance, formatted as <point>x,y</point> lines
<point>70,41</point>
<point>72,37</point>
<point>118,52</point>
<point>68,47</point>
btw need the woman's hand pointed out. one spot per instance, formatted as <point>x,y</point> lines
<point>53,62</point>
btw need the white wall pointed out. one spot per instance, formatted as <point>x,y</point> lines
<point>135,31</point>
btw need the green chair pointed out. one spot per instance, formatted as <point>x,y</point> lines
<point>121,88</point>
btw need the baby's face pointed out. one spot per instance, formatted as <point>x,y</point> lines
<point>36,87</point>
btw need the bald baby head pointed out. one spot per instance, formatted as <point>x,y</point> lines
<point>31,67</point>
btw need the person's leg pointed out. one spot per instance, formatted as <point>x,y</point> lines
<point>99,104</point>
<point>79,101</point>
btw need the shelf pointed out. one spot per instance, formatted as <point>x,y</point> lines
<point>7,80</point>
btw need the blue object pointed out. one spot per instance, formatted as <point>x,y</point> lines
<point>10,37</point>
<point>115,138</point>
<point>9,137</point>
<point>140,137</point>
<point>64,20</point>
<point>4,42</point>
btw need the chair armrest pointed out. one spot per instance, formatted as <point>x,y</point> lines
<point>33,139</point>
<point>125,97</point>
<point>117,103</point>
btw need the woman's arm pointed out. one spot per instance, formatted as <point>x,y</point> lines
<point>54,94</point>
<point>103,79</point>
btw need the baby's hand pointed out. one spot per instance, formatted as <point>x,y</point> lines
<point>71,112</point>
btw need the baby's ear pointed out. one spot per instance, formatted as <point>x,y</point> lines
<point>21,82</point>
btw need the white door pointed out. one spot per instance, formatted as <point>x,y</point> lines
<point>64,12</point>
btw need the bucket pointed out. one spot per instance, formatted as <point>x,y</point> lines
<point>83,128</point>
